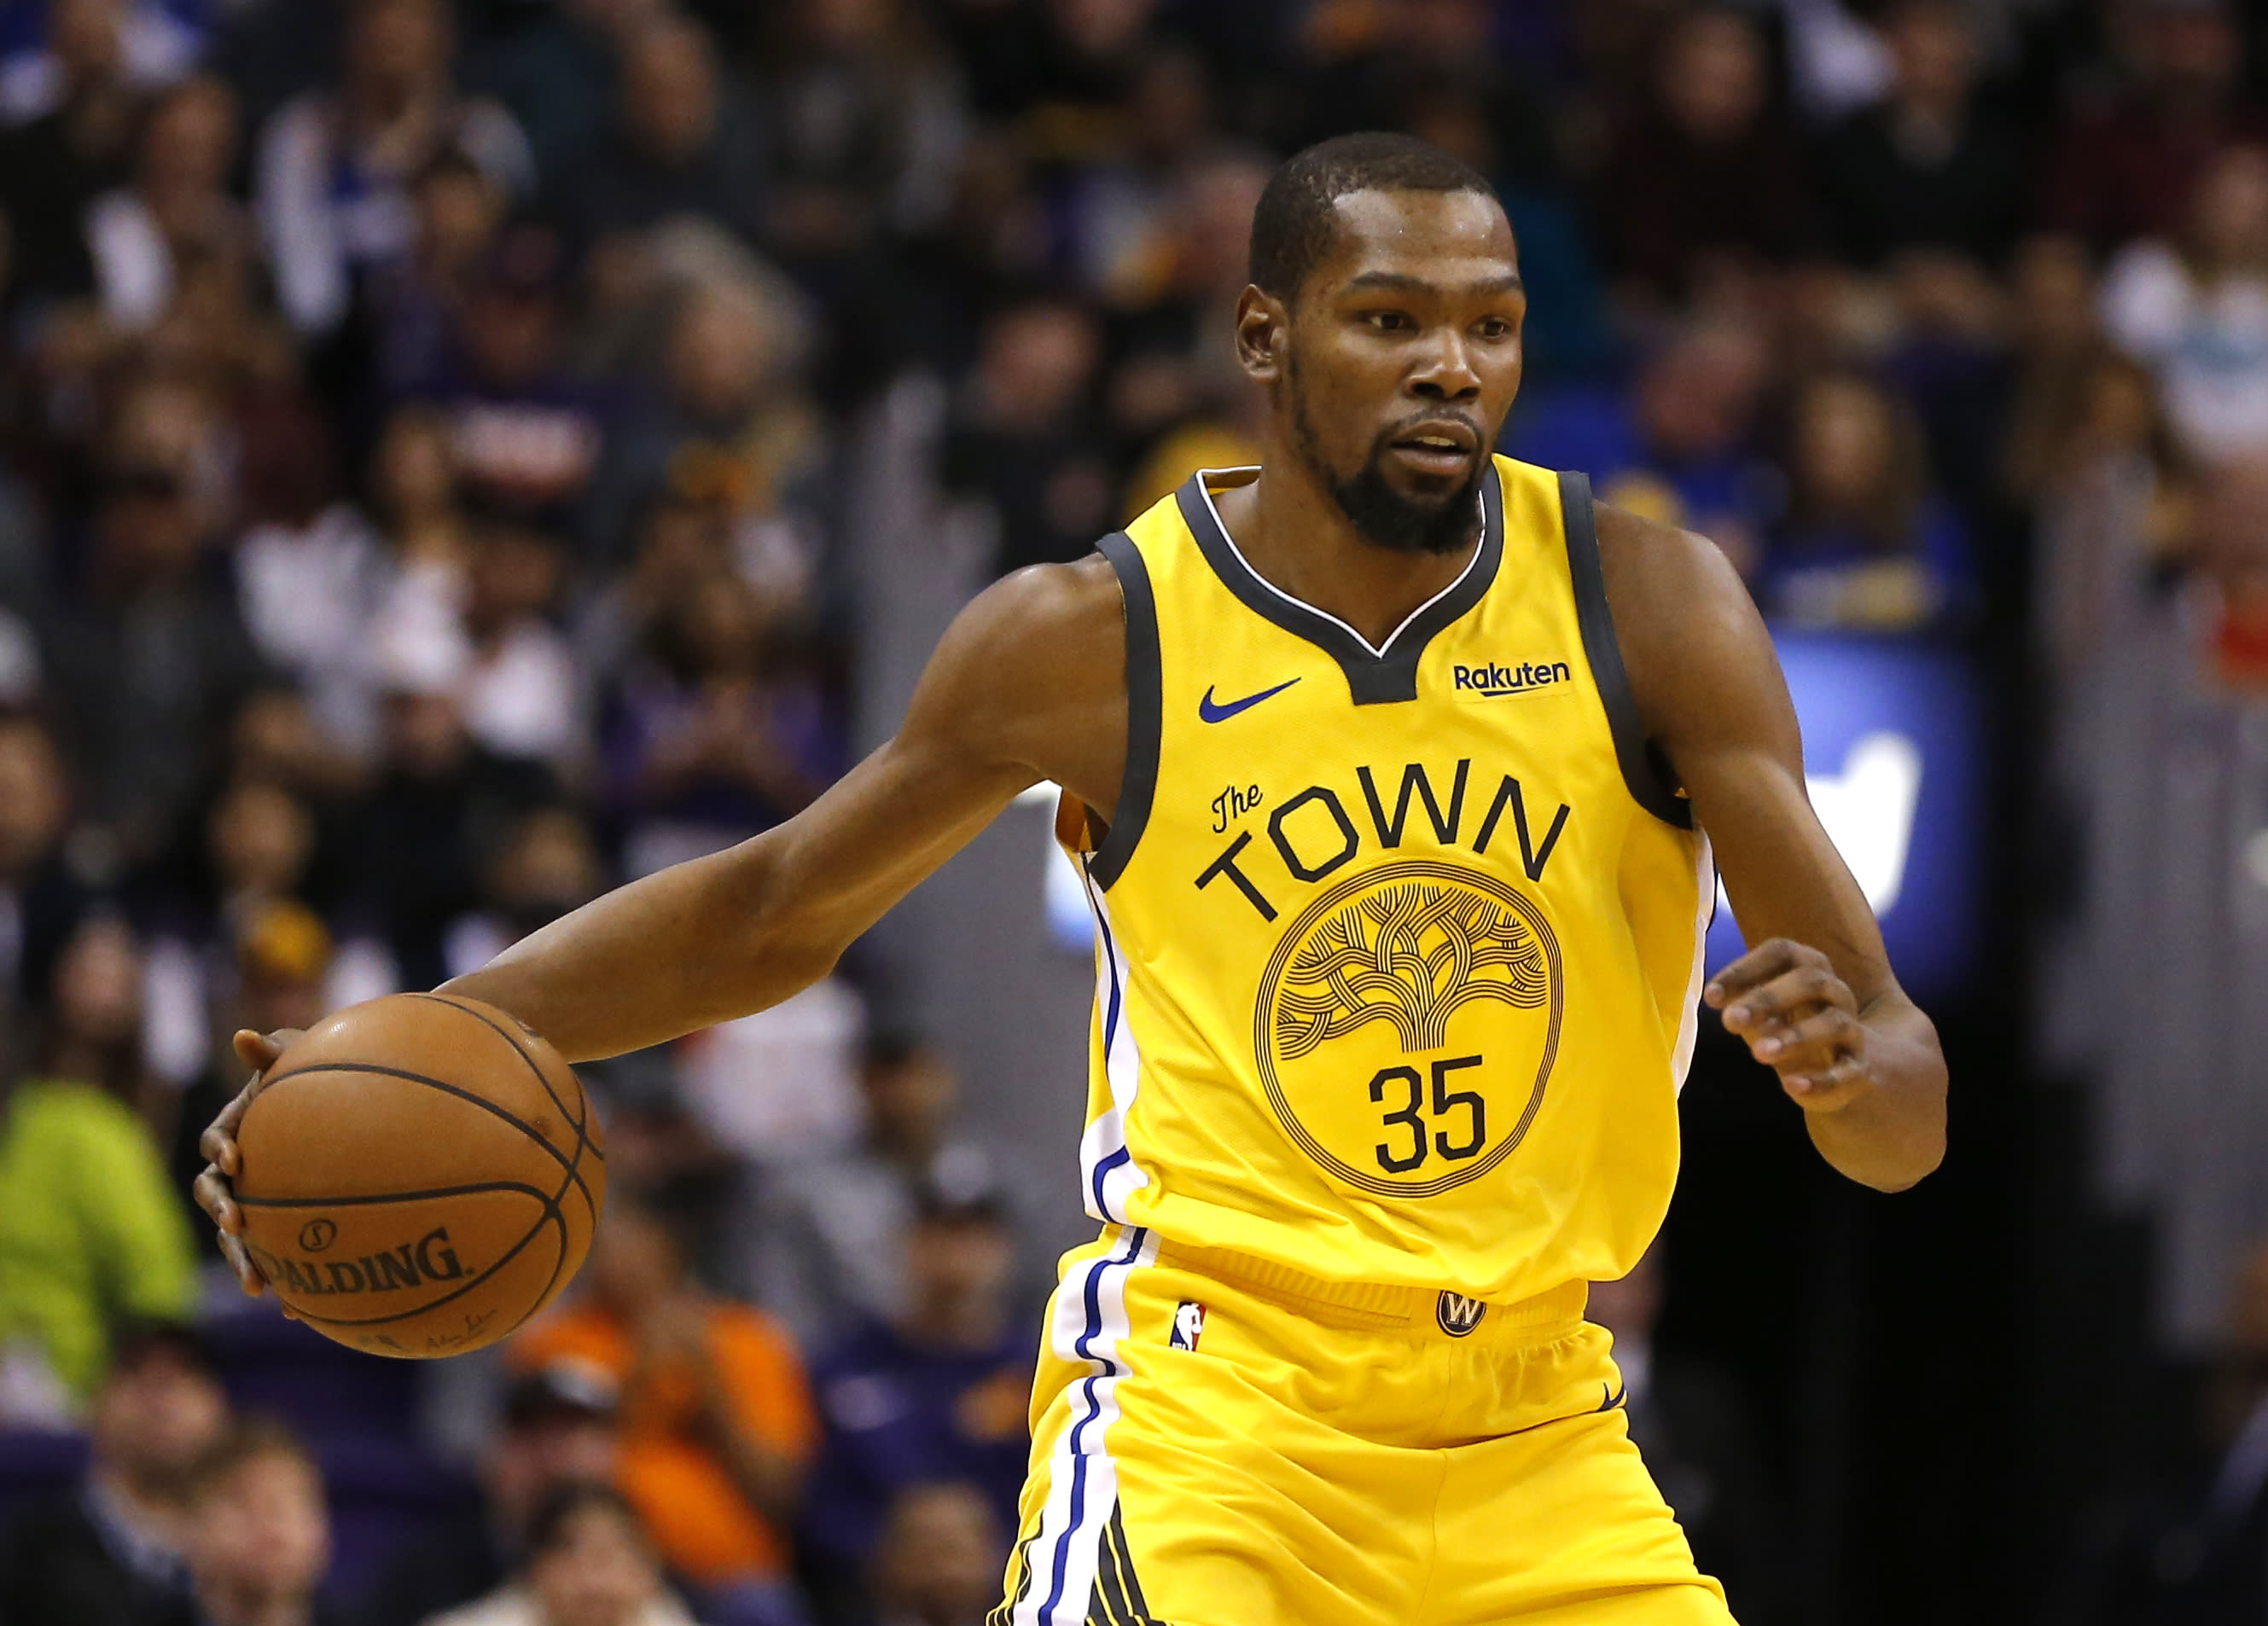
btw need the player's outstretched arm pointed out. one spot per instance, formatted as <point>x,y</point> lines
<point>1815,1000</point>
<point>1027,684</point>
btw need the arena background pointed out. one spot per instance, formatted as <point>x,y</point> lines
<point>454,457</point>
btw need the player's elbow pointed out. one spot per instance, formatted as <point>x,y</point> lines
<point>782,940</point>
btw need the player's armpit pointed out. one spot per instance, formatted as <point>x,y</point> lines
<point>1710,691</point>
<point>1027,684</point>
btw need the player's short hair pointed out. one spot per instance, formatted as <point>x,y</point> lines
<point>1293,227</point>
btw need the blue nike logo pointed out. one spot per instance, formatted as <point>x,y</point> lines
<point>1221,713</point>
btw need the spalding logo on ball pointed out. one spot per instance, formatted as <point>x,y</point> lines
<point>421,1175</point>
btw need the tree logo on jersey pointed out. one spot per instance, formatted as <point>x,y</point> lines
<point>1407,1025</point>
<point>1408,955</point>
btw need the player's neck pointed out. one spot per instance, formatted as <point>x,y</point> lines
<point>1293,531</point>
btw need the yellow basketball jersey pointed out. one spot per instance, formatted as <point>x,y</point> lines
<point>1398,948</point>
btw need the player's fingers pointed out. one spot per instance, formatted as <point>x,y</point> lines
<point>1790,997</point>
<point>218,1142</point>
<point>212,1195</point>
<point>1824,1038</point>
<point>257,1052</point>
<point>239,1261</point>
<point>1774,957</point>
<point>1828,1089</point>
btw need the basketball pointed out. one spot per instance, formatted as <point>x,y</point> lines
<point>421,1175</point>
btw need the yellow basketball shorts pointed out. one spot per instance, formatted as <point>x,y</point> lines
<point>1218,1441</point>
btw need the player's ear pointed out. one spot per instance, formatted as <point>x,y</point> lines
<point>1261,320</point>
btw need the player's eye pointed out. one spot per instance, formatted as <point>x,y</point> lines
<point>1495,327</point>
<point>1388,321</point>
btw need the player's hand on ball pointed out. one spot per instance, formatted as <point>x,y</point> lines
<point>1799,1019</point>
<point>257,1052</point>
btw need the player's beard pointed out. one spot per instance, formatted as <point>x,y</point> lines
<point>1382,516</point>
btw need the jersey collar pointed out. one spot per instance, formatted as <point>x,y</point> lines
<point>1375,676</point>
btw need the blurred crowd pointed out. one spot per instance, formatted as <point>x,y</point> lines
<point>427,481</point>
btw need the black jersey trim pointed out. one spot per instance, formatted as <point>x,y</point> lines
<point>1644,770</point>
<point>1372,679</point>
<point>1145,712</point>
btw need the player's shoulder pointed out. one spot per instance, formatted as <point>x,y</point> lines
<point>1067,595</point>
<point>1666,584</point>
<point>1044,617</point>
<point>1688,631</point>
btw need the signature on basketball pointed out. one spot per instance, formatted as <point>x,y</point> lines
<point>436,1342</point>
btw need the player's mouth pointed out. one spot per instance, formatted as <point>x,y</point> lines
<point>1442,448</point>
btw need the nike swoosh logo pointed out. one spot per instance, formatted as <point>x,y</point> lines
<point>1221,713</point>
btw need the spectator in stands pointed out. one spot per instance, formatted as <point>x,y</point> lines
<point>2194,1552</point>
<point>2231,1582</point>
<point>110,1554</point>
<point>335,167</point>
<point>865,127</point>
<point>589,1563</point>
<point>526,434</point>
<point>1932,166</point>
<point>730,427</point>
<point>71,153</point>
<point>707,741</point>
<point>1023,440</point>
<point>41,898</point>
<point>2130,169</point>
<point>682,144</point>
<point>557,1432</point>
<point>2195,309</point>
<point>940,1559</point>
<point>938,1393</point>
<point>1701,185</point>
<point>418,307</point>
<point>827,1246</point>
<point>547,864</point>
<point>1681,447</point>
<point>439,805</point>
<point>1175,386</point>
<point>1691,1421</point>
<point>91,1231</point>
<point>518,686</point>
<point>678,540</point>
<point>259,1534</point>
<point>2230,544</point>
<point>157,41</point>
<point>419,508</point>
<point>177,210</point>
<point>1865,542</point>
<point>148,658</point>
<point>717,1419</point>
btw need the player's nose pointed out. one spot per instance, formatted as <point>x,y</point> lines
<point>1447,373</point>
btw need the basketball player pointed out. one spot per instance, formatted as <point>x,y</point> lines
<point>1396,771</point>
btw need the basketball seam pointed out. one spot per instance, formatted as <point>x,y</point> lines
<point>537,1192</point>
<point>581,1123</point>
<point>583,1138</point>
<point>556,1213</point>
<point>482,1102</point>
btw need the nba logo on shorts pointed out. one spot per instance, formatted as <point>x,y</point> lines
<point>1188,1325</point>
<point>1458,1315</point>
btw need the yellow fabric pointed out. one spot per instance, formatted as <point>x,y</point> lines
<point>1290,1471</point>
<point>1449,1058</point>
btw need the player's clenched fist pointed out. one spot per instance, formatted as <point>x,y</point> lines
<point>1799,1018</point>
